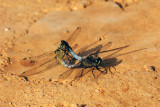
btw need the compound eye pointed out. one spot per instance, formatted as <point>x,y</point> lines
<point>99,60</point>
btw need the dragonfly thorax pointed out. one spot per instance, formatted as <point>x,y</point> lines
<point>59,53</point>
<point>64,46</point>
<point>90,61</point>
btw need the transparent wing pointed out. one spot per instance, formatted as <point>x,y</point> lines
<point>51,54</point>
<point>106,46</point>
<point>40,58</point>
<point>66,74</point>
<point>75,46</point>
<point>82,51</point>
<point>48,57</point>
<point>73,36</point>
<point>101,49</point>
<point>46,54</point>
<point>30,61</point>
<point>41,68</point>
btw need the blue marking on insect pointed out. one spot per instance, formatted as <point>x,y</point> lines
<point>79,58</point>
<point>64,63</point>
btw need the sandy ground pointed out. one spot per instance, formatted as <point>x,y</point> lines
<point>32,27</point>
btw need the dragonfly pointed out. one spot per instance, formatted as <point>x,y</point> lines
<point>92,61</point>
<point>53,58</point>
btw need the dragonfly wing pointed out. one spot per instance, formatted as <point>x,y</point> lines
<point>41,68</point>
<point>82,51</point>
<point>37,60</point>
<point>46,54</point>
<point>106,46</point>
<point>73,36</point>
<point>75,46</point>
<point>65,75</point>
<point>101,49</point>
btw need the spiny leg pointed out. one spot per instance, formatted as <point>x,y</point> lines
<point>82,72</point>
<point>92,72</point>
<point>105,68</point>
<point>68,57</point>
<point>102,72</point>
<point>99,69</point>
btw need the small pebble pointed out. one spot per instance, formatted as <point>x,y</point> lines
<point>7,29</point>
<point>10,103</point>
<point>150,68</point>
<point>96,90</point>
<point>100,38</point>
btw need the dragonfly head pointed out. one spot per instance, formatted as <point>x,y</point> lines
<point>98,61</point>
<point>64,45</point>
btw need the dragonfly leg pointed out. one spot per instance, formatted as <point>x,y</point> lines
<point>99,69</point>
<point>92,72</point>
<point>82,72</point>
<point>26,78</point>
<point>69,57</point>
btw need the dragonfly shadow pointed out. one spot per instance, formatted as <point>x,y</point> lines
<point>104,68</point>
<point>110,61</point>
<point>87,52</point>
<point>107,63</point>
